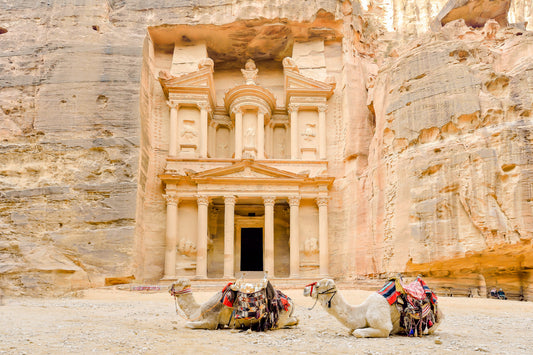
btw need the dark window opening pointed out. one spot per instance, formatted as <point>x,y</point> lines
<point>252,249</point>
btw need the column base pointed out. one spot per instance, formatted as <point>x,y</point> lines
<point>294,276</point>
<point>169,278</point>
<point>197,277</point>
<point>228,277</point>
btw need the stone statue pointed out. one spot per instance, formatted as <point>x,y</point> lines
<point>250,72</point>
<point>249,137</point>
<point>290,64</point>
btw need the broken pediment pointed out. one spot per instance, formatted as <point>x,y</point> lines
<point>299,85</point>
<point>197,82</point>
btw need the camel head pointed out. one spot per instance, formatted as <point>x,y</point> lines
<point>179,287</point>
<point>324,287</point>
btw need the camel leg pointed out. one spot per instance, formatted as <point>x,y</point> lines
<point>371,333</point>
<point>291,321</point>
<point>202,324</point>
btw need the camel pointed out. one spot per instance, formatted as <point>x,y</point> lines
<point>374,318</point>
<point>213,314</point>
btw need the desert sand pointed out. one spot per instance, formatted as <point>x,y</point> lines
<point>113,321</point>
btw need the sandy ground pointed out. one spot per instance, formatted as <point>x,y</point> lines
<point>110,321</point>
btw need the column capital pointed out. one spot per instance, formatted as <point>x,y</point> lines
<point>202,200</point>
<point>172,104</point>
<point>230,200</point>
<point>322,201</point>
<point>294,200</point>
<point>293,108</point>
<point>269,200</point>
<point>236,110</point>
<point>172,199</point>
<point>204,106</point>
<point>322,108</point>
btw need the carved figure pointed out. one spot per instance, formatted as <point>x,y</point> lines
<point>289,64</point>
<point>186,247</point>
<point>309,132</point>
<point>311,246</point>
<point>189,132</point>
<point>206,63</point>
<point>374,318</point>
<point>250,72</point>
<point>165,74</point>
<point>249,137</point>
<point>215,314</point>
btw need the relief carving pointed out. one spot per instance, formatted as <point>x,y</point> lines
<point>186,247</point>
<point>249,138</point>
<point>311,246</point>
<point>189,132</point>
<point>309,132</point>
<point>250,72</point>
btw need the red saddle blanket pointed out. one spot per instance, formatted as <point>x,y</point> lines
<point>416,289</point>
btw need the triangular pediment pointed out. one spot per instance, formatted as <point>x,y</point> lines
<point>300,85</point>
<point>201,79</point>
<point>247,170</point>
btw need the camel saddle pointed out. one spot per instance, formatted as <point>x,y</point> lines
<point>262,304</point>
<point>416,303</point>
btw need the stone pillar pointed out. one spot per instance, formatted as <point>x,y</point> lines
<point>322,131</point>
<point>171,239</point>
<point>269,202</point>
<point>201,254</point>
<point>294,239</point>
<point>229,236</point>
<point>173,144</point>
<point>322,203</point>
<point>238,134</point>
<point>204,111</point>
<point>260,138</point>
<point>293,110</point>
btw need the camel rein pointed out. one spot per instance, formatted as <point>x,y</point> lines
<point>327,292</point>
<point>183,292</point>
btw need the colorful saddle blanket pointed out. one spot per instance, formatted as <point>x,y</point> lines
<point>263,305</point>
<point>416,303</point>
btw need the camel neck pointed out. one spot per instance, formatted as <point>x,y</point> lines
<point>351,316</point>
<point>188,304</point>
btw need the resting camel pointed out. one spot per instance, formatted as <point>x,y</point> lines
<point>213,314</point>
<point>374,318</point>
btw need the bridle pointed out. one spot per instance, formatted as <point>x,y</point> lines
<point>330,291</point>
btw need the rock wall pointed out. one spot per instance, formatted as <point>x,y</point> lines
<point>430,179</point>
<point>451,158</point>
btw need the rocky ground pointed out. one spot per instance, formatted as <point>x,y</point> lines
<point>111,321</point>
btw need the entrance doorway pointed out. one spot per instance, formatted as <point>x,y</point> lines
<point>252,249</point>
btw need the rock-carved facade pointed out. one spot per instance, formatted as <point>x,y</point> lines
<point>236,175</point>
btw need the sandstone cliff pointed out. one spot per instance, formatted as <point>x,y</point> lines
<point>434,166</point>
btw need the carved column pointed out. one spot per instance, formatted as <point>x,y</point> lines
<point>322,131</point>
<point>229,236</point>
<point>171,239</point>
<point>322,203</point>
<point>260,139</point>
<point>294,238</point>
<point>173,144</point>
<point>201,255</point>
<point>204,112</point>
<point>269,202</point>
<point>238,134</point>
<point>293,110</point>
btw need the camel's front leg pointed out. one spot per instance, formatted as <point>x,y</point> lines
<point>289,322</point>
<point>202,324</point>
<point>371,333</point>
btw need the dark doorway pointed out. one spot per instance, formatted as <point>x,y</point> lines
<point>252,249</point>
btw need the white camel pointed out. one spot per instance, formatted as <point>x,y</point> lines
<point>213,314</point>
<point>374,318</point>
